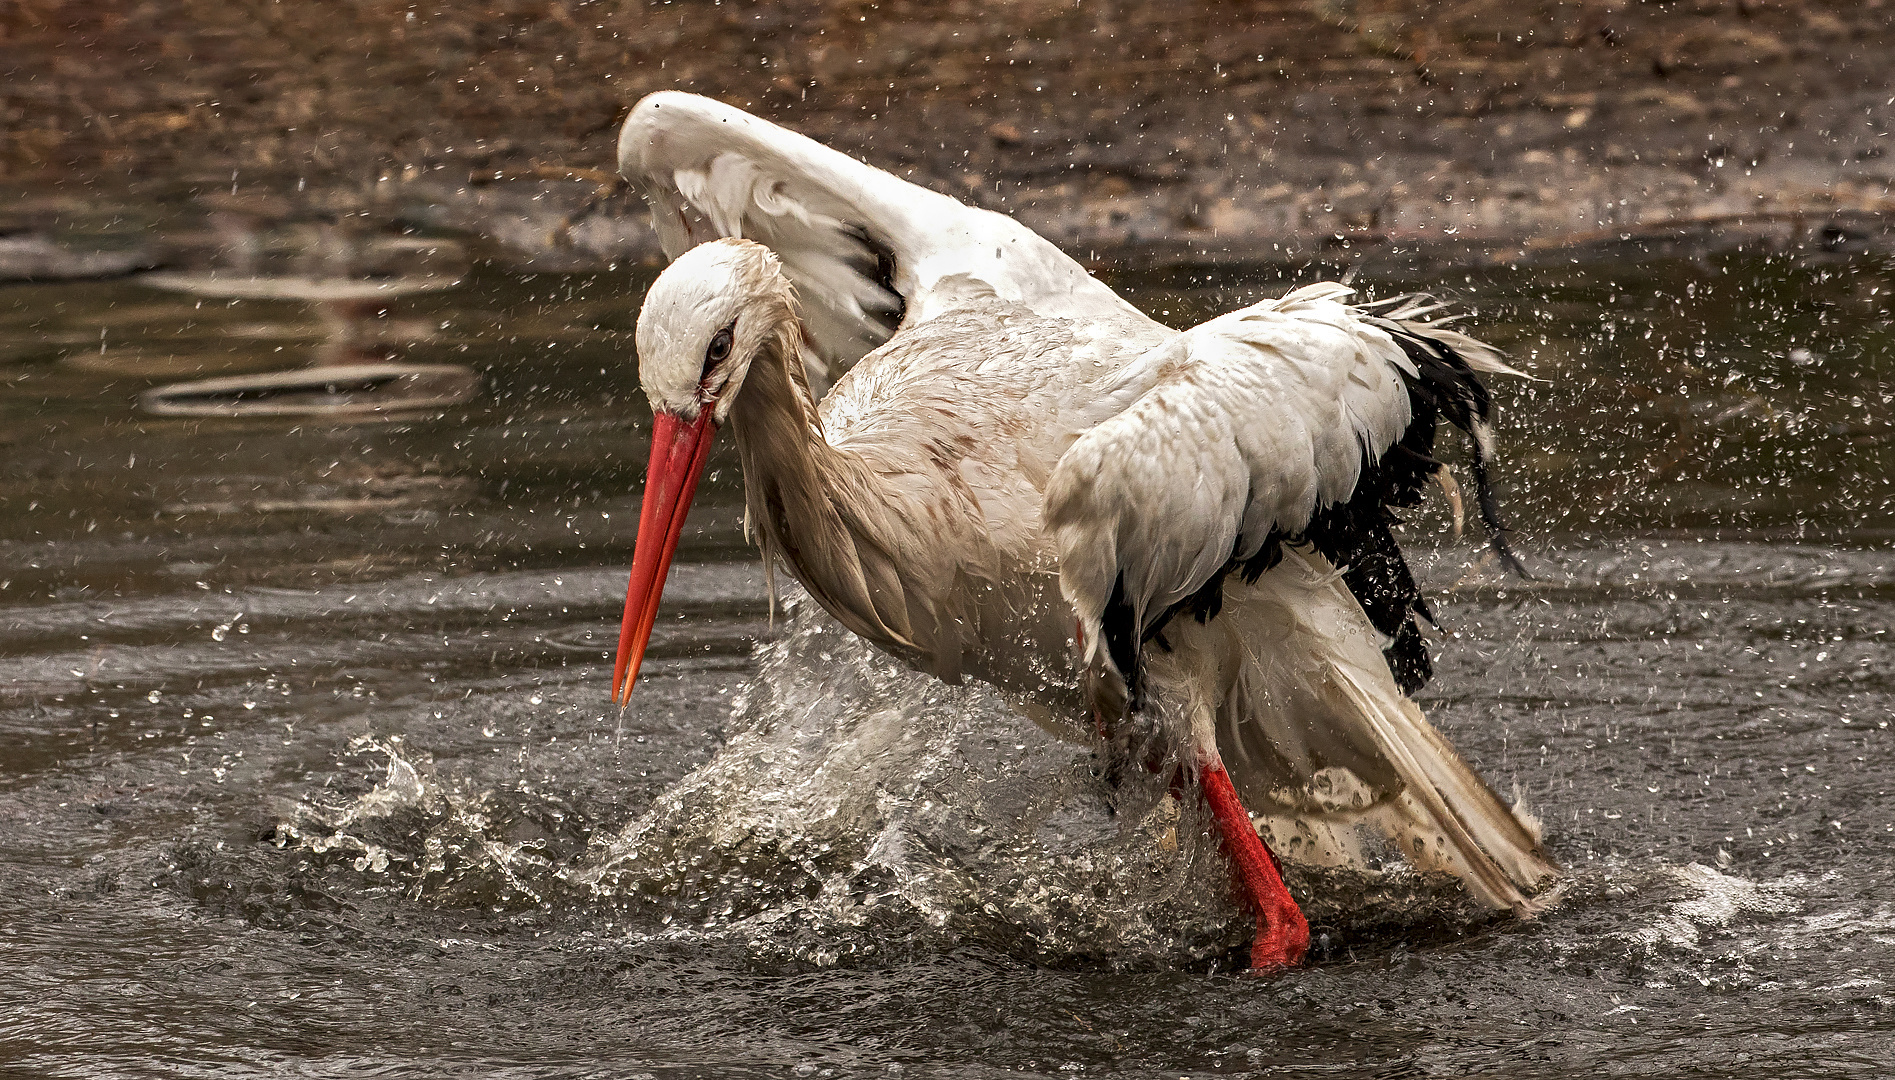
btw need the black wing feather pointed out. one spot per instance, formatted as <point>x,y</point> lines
<point>1357,534</point>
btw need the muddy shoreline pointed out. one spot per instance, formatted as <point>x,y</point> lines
<point>1272,130</point>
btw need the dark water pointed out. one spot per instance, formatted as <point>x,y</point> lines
<point>306,767</point>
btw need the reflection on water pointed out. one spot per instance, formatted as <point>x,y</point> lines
<point>309,769</point>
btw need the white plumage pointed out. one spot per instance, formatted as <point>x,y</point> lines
<point>1014,450</point>
<point>708,171</point>
<point>1269,409</point>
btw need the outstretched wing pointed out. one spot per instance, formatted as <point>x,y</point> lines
<point>865,250</point>
<point>1300,420</point>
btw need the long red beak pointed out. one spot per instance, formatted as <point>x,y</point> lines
<point>679,449</point>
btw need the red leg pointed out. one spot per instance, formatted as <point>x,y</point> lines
<point>1282,931</point>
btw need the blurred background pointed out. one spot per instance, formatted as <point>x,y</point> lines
<point>1218,129</point>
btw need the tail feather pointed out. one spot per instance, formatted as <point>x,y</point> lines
<point>1488,847</point>
<point>1314,729</point>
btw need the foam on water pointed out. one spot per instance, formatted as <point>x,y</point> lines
<point>1709,900</point>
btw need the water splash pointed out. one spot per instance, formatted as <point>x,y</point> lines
<point>864,807</point>
<point>863,798</point>
<point>414,833</point>
<point>861,810</point>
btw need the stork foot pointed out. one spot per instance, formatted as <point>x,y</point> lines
<point>1281,943</point>
<point>1282,932</point>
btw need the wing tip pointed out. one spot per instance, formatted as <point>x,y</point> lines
<point>664,109</point>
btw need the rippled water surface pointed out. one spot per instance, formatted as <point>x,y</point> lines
<point>306,766</point>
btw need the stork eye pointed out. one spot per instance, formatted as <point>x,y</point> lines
<point>720,347</point>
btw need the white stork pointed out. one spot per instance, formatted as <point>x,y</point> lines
<point>1012,451</point>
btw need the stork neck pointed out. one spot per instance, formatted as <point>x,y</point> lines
<point>824,509</point>
<point>774,417</point>
<point>793,478</point>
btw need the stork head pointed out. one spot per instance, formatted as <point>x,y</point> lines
<point>705,320</point>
